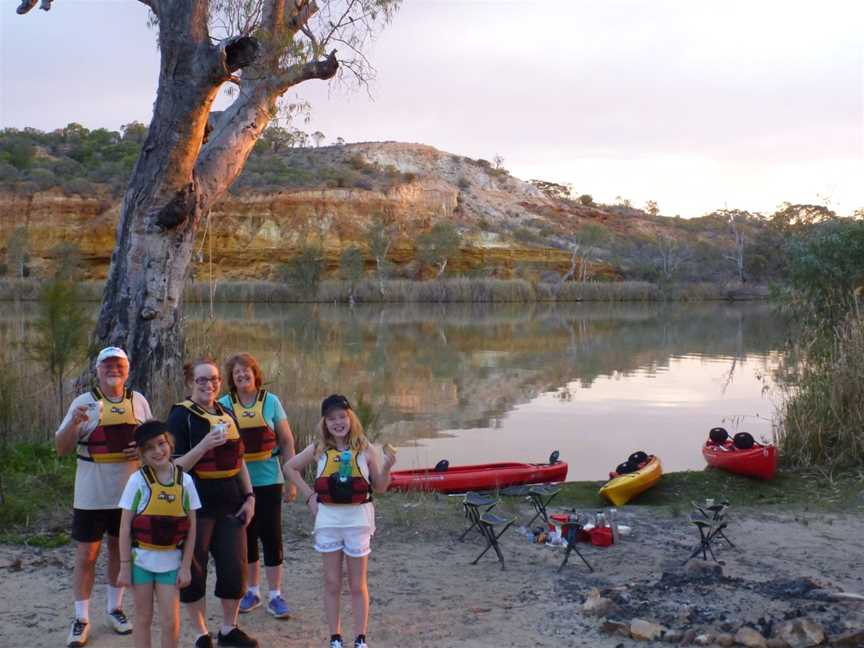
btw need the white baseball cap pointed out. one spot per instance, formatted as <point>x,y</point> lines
<point>111,352</point>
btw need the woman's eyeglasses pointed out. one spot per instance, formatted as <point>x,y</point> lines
<point>203,381</point>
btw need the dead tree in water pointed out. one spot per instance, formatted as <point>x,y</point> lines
<point>186,165</point>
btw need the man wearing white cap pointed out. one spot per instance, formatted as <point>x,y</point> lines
<point>100,427</point>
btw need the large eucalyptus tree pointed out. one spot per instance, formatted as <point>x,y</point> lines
<point>190,157</point>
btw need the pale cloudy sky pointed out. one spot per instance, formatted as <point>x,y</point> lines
<point>694,104</point>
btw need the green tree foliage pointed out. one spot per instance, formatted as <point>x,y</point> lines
<point>380,238</point>
<point>826,268</point>
<point>305,270</point>
<point>351,269</point>
<point>17,150</point>
<point>351,265</point>
<point>438,245</point>
<point>553,190</point>
<point>797,218</point>
<point>61,327</point>
<point>18,252</point>
<point>586,200</point>
<point>73,157</point>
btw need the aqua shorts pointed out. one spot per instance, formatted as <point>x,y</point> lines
<point>141,576</point>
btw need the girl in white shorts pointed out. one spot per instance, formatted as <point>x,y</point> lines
<point>348,470</point>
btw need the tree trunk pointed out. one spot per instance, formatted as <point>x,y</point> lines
<point>162,206</point>
<point>178,177</point>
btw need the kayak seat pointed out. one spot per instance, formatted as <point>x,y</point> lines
<point>472,504</point>
<point>489,523</point>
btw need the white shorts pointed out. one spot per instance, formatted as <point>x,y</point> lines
<point>352,541</point>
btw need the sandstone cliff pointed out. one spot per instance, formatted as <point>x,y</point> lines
<point>507,225</point>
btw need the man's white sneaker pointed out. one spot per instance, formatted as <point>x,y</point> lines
<point>118,622</point>
<point>78,634</point>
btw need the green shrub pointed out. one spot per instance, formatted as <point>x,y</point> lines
<point>304,272</point>
<point>823,412</point>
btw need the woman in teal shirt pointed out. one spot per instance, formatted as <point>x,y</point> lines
<point>266,434</point>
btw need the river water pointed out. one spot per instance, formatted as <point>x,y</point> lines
<point>477,383</point>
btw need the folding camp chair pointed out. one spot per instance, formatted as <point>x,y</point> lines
<point>570,532</point>
<point>487,524</point>
<point>538,494</point>
<point>717,513</point>
<point>472,504</point>
<point>711,523</point>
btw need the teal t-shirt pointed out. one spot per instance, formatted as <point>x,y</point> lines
<point>267,472</point>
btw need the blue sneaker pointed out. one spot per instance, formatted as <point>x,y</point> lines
<point>249,602</point>
<point>278,607</point>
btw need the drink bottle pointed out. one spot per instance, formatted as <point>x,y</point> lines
<point>345,466</point>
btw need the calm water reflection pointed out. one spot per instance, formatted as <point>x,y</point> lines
<point>476,383</point>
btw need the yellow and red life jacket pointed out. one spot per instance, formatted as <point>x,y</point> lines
<point>164,522</point>
<point>332,489</point>
<point>222,461</point>
<point>114,431</point>
<point>259,438</point>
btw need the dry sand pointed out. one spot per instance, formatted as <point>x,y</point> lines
<point>425,592</point>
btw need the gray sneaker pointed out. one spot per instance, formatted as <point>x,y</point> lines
<point>118,622</point>
<point>78,634</point>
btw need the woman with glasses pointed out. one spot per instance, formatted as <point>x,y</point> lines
<point>208,445</point>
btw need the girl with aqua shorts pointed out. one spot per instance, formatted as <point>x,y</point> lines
<point>267,437</point>
<point>157,534</point>
<point>348,470</point>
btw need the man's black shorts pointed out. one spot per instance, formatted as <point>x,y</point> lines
<point>91,525</point>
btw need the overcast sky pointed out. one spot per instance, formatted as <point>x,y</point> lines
<point>695,104</point>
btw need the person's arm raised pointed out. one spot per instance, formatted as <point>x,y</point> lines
<point>380,468</point>
<point>66,437</point>
<point>180,425</point>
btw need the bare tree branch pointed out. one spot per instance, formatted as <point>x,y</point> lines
<point>323,70</point>
<point>299,17</point>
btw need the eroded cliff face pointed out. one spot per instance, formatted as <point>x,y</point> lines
<point>252,235</point>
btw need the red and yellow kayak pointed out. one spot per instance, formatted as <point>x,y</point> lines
<point>623,488</point>
<point>759,461</point>
<point>479,477</point>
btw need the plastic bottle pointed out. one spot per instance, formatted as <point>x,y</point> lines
<point>612,514</point>
<point>345,466</point>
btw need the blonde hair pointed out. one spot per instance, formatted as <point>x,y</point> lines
<point>357,440</point>
<point>168,437</point>
<point>248,361</point>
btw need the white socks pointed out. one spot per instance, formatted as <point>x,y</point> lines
<point>275,593</point>
<point>254,589</point>
<point>82,610</point>
<point>115,599</point>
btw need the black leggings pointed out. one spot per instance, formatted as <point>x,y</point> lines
<point>266,525</point>
<point>223,536</point>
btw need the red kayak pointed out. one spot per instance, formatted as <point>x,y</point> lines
<point>759,461</point>
<point>460,479</point>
